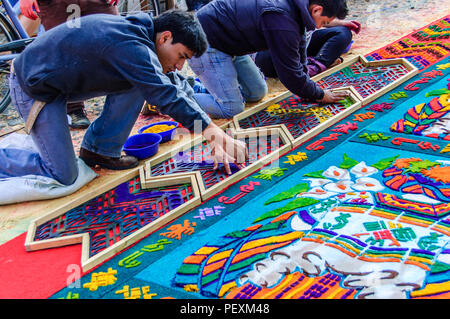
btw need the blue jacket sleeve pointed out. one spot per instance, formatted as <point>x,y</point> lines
<point>140,66</point>
<point>287,47</point>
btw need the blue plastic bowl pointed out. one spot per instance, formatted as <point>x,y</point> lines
<point>166,135</point>
<point>143,145</point>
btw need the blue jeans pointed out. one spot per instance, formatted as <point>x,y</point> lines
<point>230,80</point>
<point>51,135</point>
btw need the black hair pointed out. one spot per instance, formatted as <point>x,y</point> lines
<point>185,29</point>
<point>332,8</point>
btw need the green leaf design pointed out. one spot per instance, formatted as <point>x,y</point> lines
<point>291,192</point>
<point>296,203</point>
<point>438,92</point>
<point>348,162</point>
<point>416,167</point>
<point>316,174</point>
<point>384,163</point>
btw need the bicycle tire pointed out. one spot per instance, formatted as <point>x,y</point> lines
<point>127,7</point>
<point>7,34</point>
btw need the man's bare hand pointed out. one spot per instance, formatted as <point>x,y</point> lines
<point>333,96</point>
<point>225,149</point>
<point>353,25</point>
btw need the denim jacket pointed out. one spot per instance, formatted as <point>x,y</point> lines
<point>238,27</point>
<point>106,54</point>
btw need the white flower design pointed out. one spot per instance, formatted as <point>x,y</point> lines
<point>339,181</point>
<point>361,170</point>
<point>367,184</point>
<point>336,173</point>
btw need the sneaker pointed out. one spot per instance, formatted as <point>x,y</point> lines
<point>78,119</point>
<point>115,163</point>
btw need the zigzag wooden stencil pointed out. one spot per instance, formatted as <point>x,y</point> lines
<point>301,119</point>
<point>111,221</point>
<point>170,184</point>
<point>116,219</point>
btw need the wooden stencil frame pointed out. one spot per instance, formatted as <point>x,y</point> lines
<point>359,100</point>
<point>354,95</point>
<point>255,133</point>
<point>359,58</point>
<point>87,262</point>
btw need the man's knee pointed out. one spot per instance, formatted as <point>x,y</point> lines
<point>230,109</point>
<point>68,177</point>
<point>258,93</point>
<point>344,34</point>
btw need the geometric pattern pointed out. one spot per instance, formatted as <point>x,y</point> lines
<point>366,80</point>
<point>112,216</point>
<point>298,115</point>
<point>421,48</point>
<point>199,158</point>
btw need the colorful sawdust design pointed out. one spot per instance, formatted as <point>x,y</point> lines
<point>298,115</point>
<point>343,227</point>
<point>116,214</point>
<point>356,247</point>
<point>422,48</point>
<point>431,119</point>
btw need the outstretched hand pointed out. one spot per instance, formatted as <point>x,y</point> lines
<point>353,25</point>
<point>225,149</point>
<point>333,96</point>
<point>29,8</point>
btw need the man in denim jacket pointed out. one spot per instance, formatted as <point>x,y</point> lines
<point>128,59</point>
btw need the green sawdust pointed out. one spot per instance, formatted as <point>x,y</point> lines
<point>348,162</point>
<point>384,163</point>
<point>316,174</point>
<point>417,167</point>
<point>291,192</point>
<point>347,102</point>
<point>438,92</point>
<point>296,203</point>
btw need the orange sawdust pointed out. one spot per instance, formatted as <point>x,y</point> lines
<point>438,173</point>
<point>404,162</point>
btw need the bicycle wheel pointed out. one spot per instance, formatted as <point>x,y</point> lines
<point>7,34</point>
<point>127,7</point>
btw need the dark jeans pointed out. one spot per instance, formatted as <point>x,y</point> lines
<point>326,46</point>
<point>55,12</point>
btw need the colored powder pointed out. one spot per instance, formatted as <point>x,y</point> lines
<point>158,128</point>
